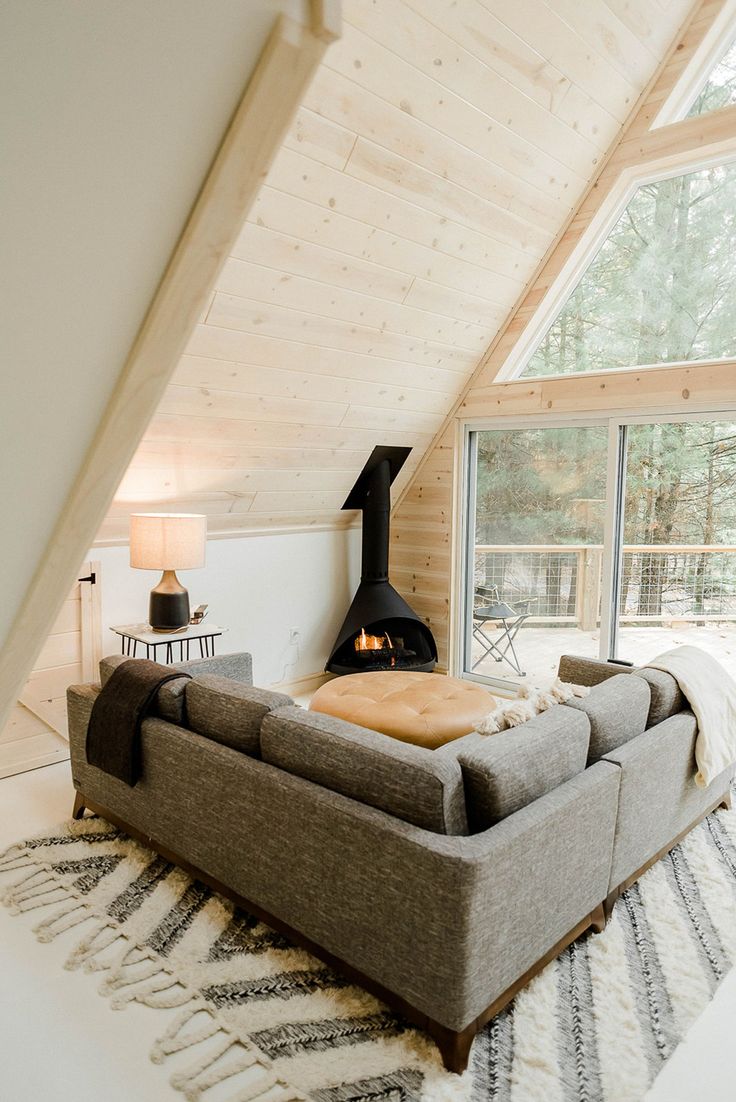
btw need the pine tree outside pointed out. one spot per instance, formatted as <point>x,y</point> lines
<point>662,288</point>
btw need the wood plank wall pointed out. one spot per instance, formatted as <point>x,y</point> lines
<point>422,523</point>
<point>434,159</point>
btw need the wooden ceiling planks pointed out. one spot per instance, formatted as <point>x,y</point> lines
<point>434,160</point>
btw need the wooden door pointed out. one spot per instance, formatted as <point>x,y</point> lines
<point>36,732</point>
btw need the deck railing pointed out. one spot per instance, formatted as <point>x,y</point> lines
<point>660,584</point>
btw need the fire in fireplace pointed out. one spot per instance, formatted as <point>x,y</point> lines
<point>380,631</point>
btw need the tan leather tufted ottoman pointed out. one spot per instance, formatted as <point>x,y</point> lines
<point>426,709</point>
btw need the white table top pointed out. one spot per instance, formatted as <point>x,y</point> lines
<point>143,633</point>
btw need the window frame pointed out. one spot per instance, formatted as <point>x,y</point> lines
<point>697,72</point>
<point>585,252</point>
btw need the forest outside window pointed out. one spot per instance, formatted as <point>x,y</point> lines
<point>589,562</point>
<point>662,288</point>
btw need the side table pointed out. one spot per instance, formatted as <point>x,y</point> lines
<point>133,634</point>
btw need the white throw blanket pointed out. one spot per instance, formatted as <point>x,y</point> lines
<point>711,693</point>
<point>531,701</point>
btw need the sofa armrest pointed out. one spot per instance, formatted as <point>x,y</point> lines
<point>658,799</point>
<point>576,670</point>
<point>235,667</point>
<point>79,701</point>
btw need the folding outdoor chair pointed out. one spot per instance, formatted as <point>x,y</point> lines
<point>498,612</point>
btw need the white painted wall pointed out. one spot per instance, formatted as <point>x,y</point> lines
<point>259,587</point>
<point>111,112</point>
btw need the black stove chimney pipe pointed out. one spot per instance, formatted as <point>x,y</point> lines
<point>376,510</point>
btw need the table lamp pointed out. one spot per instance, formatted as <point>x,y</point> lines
<point>168,542</point>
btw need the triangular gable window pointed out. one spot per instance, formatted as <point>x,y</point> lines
<point>662,288</point>
<point>720,88</point>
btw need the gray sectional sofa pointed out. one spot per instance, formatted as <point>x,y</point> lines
<point>441,880</point>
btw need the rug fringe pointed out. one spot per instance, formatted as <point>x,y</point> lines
<point>174,1039</point>
<point>92,944</point>
<point>126,969</point>
<point>10,890</point>
<point>142,991</point>
<point>159,1000</point>
<point>209,1072</point>
<point>61,920</point>
<point>12,853</point>
<point>24,894</point>
<point>19,860</point>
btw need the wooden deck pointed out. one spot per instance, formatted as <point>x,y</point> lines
<point>539,649</point>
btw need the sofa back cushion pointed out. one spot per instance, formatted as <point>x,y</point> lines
<point>230,712</point>
<point>618,710</point>
<point>406,781</point>
<point>504,772</point>
<point>666,696</point>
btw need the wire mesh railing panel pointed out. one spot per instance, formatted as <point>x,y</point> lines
<point>657,584</point>
<point>685,585</point>
<point>544,581</point>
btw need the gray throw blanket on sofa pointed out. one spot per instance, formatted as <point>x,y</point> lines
<point>114,731</point>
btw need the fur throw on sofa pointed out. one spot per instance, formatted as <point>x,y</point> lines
<point>530,702</point>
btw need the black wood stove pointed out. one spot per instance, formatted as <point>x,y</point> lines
<point>380,631</point>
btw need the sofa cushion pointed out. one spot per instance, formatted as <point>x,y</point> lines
<point>618,710</point>
<point>666,696</point>
<point>406,781</point>
<point>230,712</point>
<point>504,772</point>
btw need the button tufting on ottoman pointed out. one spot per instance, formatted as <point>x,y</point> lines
<point>426,709</point>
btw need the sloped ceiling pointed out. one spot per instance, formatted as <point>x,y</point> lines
<point>111,114</point>
<point>435,159</point>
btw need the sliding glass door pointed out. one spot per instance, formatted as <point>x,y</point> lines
<point>606,538</point>
<point>534,557</point>
<point>678,561</point>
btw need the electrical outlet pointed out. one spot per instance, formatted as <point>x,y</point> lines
<point>294,636</point>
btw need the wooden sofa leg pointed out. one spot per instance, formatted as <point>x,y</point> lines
<point>454,1047</point>
<point>609,902</point>
<point>726,802</point>
<point>598,918</point>
<point>79,806</point>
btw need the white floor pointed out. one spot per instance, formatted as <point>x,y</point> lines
<point>61,1042</point>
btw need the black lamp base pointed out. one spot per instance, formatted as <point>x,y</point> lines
<point>168,607</point>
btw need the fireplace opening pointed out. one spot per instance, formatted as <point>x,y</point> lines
<point>396,644</point>
<point>381,631</point>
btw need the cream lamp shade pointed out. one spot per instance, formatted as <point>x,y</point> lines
<point>167,541</point>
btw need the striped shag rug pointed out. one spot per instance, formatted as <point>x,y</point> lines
<point>273,1024</point>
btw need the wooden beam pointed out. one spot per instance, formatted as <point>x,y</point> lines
<point>327,19</point>
<point>681,389</point>
<point>703,135</point>
<point>273,94</point>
